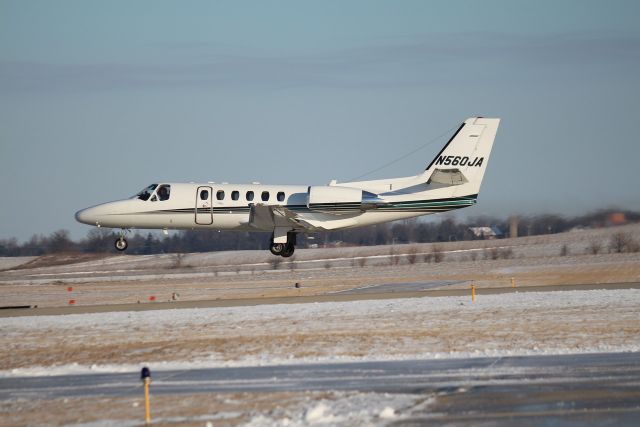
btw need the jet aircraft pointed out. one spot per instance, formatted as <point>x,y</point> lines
<point>450,181</point>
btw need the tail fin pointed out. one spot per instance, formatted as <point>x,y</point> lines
<point>466,155</point>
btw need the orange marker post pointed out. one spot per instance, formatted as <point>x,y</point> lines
<point>145,376</point>
<point>513,282</point>
<point>473,292</point>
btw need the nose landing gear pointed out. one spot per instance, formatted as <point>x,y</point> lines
<point>284,250</point>
<point>121,244</point>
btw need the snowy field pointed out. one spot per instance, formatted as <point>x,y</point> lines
<point>7,263</point>
<point>115,279</point>
<point>506,324</point>
<point>302,409</point>
<point>527,323</point>
<point>530,323</point>
<point>579,242</point>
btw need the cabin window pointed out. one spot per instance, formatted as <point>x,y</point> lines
<point>220,195</point>
<point>265,196</point>
<point>249,196</point>
<point>235,195</point>
<point>204,195</point>
<point>281,196</point>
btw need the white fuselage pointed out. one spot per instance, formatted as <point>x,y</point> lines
<point>451,181</point>
<point>184,209</point>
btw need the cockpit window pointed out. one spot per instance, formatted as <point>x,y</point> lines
<point>163,192</point>
<point>146,193</point>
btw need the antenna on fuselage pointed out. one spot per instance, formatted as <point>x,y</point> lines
<point>431,141</point>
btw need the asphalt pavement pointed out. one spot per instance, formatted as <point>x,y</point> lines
<point>374,292</point>
<point>557,390</point>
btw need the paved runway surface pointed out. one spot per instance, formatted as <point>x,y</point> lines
<point>385,291</point>
<point>399,287</point>
<point>598,389</point>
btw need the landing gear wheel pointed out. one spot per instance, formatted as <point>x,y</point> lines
<point>288,250</point>
<point>284,249</point>
<point>277,248</point>
<point>121,244</point>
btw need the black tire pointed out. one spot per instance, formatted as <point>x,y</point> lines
<point>277,248</point>
<point>121,244</point>
<point>288,251</point>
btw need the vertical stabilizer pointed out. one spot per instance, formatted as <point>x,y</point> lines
<point>467,153</point>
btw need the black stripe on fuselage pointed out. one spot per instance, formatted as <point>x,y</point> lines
<point>428,206</point>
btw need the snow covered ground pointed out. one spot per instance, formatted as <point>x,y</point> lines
<point>395,329</point>
<point>340,409</point>
<point>7,263</point>
<point>117,279</point>
<point>417,328</point>
<point>542,246</point>
<point>343,409</point>
<point>568,322</point>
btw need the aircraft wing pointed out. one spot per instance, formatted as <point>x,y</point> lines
<point>261,216</point>
<point>268,217</point>
<point>292,217</point>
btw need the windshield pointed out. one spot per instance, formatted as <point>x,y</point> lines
<point>146,193</point>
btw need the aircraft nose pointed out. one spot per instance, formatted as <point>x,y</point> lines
<point>87,216</point>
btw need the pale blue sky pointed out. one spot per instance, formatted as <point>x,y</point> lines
<point>99,99</point>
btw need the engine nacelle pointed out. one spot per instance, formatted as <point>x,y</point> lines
<point>322,197</point>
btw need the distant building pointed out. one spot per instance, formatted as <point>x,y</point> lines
<point>617,218</point>
<point>579,228</point>
<point>513,226</point>
<point>486,233</point>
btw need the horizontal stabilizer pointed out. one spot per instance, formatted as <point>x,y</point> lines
<point>447,177</point>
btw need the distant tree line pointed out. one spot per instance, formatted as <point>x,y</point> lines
<point>100,240</point>
<point>449,230</point>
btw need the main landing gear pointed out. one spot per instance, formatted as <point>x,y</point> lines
<point>284,249</point>
<point>121,244</point>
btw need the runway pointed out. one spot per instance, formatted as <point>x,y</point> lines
<point>373,292</point>
<point>533,390</point>
<point>398,287</point>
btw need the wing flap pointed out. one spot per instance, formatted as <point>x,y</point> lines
<point>291,217</point>
<point>261,217</point>
<point>266,217</point>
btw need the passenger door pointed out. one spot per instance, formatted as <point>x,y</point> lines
<point>204,207</point>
